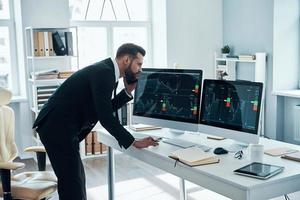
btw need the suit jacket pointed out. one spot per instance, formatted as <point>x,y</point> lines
<point>82,100</point>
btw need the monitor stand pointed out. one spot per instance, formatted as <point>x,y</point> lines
<point>177,132</point>
<point>236,146</point>
<point>181,142</point>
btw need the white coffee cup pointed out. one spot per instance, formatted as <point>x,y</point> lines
<point>256,152</point>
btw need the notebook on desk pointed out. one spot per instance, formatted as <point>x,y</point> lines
<point>194,156</point>
<point>279,151</point>
<point>143,127</point>
<point>292,156</point>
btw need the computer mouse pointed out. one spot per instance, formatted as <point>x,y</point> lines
<point>220,150</point>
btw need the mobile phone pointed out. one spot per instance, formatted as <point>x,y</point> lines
<point>131,79</point>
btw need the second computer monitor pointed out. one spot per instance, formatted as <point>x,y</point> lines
<point>168,98</point>
<point>231,109</point>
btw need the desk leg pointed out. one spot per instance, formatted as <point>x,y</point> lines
<point>182,189</point>
<point>111,174</point>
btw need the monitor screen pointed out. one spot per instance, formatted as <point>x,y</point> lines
<point>233,105</point>
<point>168,94</point>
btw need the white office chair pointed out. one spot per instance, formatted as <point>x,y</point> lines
<point>27,185</point>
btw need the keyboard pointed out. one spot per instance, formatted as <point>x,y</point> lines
<point>185,144</point>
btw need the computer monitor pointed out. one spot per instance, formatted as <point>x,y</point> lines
<point>231,109</point>
<point>168,98</point>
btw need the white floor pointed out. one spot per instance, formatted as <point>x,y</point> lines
<point>136,180</point>
<point>150,189</point>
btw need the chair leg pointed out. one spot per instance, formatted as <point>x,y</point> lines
<point>41,158</point>
<point>6,185</point>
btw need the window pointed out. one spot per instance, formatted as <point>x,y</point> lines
<point>103,25</point>
<point>8,68</point>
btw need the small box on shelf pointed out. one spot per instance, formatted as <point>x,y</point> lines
<point>93,146</point>
<point>247,57</point>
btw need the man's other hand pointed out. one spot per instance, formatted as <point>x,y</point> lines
<point>145,142</point>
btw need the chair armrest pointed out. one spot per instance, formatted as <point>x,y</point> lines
<point>35,149</point>
<point>41,156</point>
<point>11,165</point>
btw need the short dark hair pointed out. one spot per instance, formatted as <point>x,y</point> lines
<point>130,49</point>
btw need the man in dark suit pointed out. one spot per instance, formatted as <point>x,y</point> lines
<point>76,106</point>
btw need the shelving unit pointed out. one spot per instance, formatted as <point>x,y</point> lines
<point>39,89</point>
<point>229,66</point>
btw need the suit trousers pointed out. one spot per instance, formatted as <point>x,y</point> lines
<point>66,162</point>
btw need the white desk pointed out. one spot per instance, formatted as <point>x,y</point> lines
<point>215,177</point>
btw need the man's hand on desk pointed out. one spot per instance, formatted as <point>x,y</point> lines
<point>145,142</point>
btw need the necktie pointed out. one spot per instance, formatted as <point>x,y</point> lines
<point>115,94</point>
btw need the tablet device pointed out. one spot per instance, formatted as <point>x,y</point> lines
<point>259,170</point>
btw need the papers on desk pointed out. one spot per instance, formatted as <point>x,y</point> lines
<point>279,151</point>
<point>143,127</point>
<point>194,156</point>
<point>292,156</point>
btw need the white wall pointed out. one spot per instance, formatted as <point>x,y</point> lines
<point>159,33</point>
<point>248,28</point>
<point>286,44</point>
<point>194,33</point>
<point>45,13</point>
<point>286,68</point>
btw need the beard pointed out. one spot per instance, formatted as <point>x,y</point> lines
<point>129,75</point>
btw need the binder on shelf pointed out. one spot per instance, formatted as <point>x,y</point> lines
<point>50,42</point>
<point>41,50</point>
<point>35,44</point>
<point>69,43</point>
<point>58,45</point>
<point>46,44</point>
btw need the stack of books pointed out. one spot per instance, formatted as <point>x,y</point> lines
<point>65,74</point>
<point>247,57</point>
<point>46,74</point>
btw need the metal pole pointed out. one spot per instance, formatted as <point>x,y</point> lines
<point>111,174</point>
<point>182,189</point>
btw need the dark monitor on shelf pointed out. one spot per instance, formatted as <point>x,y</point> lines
<point>231,109</point>
<point>168,98</point>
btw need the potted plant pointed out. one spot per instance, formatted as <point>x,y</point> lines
<point>225,51</point>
